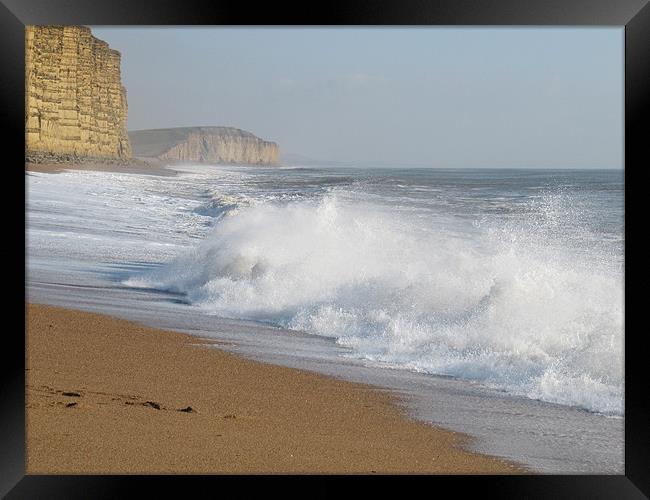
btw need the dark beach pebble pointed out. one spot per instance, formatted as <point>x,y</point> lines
<point>152,404</point>
<point>70,405</point>
<point>71,394</point>
<point>189,409</point>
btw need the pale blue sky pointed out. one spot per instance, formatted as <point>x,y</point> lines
<point>441,97</point>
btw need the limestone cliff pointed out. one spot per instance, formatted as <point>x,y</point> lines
<point>205,145</point>
<point>75,103</point>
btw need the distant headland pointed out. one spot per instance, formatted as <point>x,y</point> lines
<point>204,145</point>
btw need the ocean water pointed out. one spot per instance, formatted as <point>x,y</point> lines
<point>510,281</point>
<point>510,278</point>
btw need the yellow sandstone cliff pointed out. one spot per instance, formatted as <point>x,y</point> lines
<point>225,145</point>
<point>75,104</point>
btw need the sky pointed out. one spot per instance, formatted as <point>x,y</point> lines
<point>442,97</point>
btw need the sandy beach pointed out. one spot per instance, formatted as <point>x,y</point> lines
<point>106,395</point>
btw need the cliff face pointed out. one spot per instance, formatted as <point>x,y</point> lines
<point>74,99</point>
<point>205,145</point>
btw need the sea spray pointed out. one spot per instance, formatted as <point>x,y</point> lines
<point>527,299</point>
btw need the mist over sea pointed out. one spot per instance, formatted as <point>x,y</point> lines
<point>510,278</point>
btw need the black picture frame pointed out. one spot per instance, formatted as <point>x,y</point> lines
<point>15,14</point>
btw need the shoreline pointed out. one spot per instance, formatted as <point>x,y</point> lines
<point>138,166</point>
<point>105,395</point>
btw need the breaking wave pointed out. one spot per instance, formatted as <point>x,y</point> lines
<point>509,302</point>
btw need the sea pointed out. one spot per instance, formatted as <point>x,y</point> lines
<point>490,301</point>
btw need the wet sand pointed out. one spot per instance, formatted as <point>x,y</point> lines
<point>110,396</point>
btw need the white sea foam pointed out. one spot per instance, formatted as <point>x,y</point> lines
<point>509,302</point>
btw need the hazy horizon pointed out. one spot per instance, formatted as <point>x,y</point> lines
<point>440,97</point>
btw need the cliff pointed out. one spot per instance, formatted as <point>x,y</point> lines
<point>204,145</point>
<point>75,104</point>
